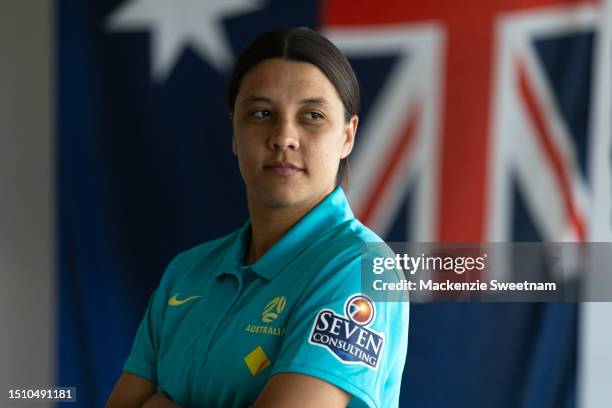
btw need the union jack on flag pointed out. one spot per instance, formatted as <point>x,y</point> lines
<point>483,121</point>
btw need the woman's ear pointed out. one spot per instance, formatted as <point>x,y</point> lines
<point>350,130</point>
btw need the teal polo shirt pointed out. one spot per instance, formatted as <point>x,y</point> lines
<point>215,329</point>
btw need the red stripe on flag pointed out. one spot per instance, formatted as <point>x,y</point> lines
<point>396,153</point>
<point>552,153</point>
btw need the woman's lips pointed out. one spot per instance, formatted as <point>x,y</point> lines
<point>283,168</point>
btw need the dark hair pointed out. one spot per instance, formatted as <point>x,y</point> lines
<point>303,45</point>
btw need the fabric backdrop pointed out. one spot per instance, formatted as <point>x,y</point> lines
<point>475,126</point>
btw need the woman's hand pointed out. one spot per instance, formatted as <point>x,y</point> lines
<point>160,400</point>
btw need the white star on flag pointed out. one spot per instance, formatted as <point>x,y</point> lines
<point>176,24</point>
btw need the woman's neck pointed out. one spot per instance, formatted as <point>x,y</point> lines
<point>268,225</point>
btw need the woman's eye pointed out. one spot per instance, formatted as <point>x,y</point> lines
<point>262,113</point>
<point>313,115</point>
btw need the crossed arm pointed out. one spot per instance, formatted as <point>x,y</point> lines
<point>281,390</point>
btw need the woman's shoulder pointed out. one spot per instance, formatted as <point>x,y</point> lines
<point>342,254</point>
<point>351,236</point>
<point>209,247</point>
<point>345,244</point>
<point>208,253</point>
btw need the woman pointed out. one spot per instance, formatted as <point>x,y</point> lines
<point>272,315</point>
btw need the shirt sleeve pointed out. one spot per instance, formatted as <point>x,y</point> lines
<point>338,334</point>
<point>142,360</point>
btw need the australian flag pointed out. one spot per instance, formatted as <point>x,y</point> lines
<point>476,126</point>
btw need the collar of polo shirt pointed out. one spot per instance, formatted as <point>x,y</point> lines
<point>328,214</point>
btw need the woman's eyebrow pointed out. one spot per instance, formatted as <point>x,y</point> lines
<point>255,98</point>
<point>314,101</point>
<point>306,101</point>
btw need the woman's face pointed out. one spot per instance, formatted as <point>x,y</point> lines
<point>289,133</point>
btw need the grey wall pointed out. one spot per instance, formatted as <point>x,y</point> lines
<point>595,363</point>
<point>595,354</point>
<point>26,203</point>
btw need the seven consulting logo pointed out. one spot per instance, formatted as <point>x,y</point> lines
<point>360,310</point>
<point>347,336</point>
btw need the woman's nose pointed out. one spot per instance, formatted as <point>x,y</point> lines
<point>284,136</point>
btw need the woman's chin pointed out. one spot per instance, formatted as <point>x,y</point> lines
<point>285,197</point>
<point>281,199</point>
<point>278,196</point>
